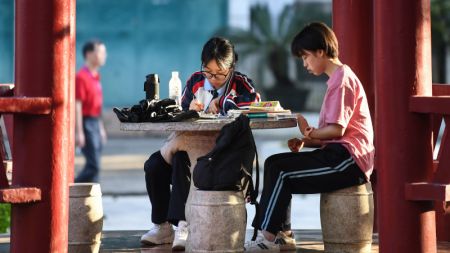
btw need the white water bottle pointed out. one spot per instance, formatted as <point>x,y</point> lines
<point>175,88</point>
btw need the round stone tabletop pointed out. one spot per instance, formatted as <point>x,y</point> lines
<point>206,125</point>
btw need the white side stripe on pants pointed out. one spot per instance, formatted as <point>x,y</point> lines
<point>298,174</point>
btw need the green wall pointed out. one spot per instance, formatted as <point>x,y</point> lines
<point>6,40</point>
<point>141,36</point>
<point>147,36</point>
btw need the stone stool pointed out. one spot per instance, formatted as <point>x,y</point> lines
<point>347,219</point>
<point>217,221</point>
<point>85,217</point>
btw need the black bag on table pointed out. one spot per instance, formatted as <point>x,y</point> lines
<point>155,110</point>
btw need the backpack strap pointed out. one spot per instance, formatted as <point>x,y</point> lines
<point>255,190</point>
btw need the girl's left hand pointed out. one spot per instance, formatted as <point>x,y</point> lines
<point>213,106</point>
<point>295,144</point>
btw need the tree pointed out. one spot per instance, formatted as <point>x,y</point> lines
<point>440,29</point>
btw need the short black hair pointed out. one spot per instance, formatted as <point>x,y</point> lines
<point>315,36</point>
<point>90,46</point>
<point>221,50</point>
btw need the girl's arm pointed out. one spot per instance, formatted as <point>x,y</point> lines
<point>312,143</point>
<point>188,95</point>
<point>295,144</point>
<point>243,95</point>
<point>331,131</point>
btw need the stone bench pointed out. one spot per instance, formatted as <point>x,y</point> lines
<point>347,218</point>
<point>217,221</point>
<point>85,217</point>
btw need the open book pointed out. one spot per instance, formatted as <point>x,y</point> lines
<point>265,109</point>
<point>266,106</point>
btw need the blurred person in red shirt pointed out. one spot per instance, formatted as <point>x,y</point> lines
<point>90,134</point>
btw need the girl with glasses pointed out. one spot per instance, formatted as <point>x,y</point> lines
<point>217,88</point>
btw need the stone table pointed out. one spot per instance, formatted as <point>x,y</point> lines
<point>200,137</point>
<point>201,134</point>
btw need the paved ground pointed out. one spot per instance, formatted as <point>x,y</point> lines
<point>308,241</point>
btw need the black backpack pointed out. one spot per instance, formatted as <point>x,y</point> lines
<point>229,165</point>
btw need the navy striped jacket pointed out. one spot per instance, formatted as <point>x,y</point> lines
<point>239,92</point>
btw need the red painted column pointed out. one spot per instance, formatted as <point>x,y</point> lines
<point>71,90</point>
<point>43,143</point>
<point>353,26</point>
<point>402,53</point>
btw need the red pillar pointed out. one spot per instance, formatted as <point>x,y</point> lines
<point>43,43</point>
<point>402,37</point>
<point>71,90</point>
<point>353,26</point>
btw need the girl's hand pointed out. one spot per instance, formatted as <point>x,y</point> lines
<point>213,106</point>
<point>196,105</point>
<point>295,145</point>
<point>302,123</point>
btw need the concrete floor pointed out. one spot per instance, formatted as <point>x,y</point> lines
<point>308,241</point>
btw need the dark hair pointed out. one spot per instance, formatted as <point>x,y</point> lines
<point>315,36</point>
<point>90,46</point>
<point>221,50</point>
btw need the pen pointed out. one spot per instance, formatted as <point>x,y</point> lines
<point>199,103</point>
<point>206,108</point>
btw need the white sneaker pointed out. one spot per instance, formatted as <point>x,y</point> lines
<point>181,234</point>
<point>261,244</point>
<point>286,242</point>
<point>158,234</point>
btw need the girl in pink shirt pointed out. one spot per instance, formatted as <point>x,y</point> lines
<point>344,139</point>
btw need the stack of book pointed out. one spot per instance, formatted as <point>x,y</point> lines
<point>267,109</point>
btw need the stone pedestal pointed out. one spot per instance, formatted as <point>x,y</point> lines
<point>217,221</point>
<point>85,217</point>
<point>347,219</point>
<point>199,144</point>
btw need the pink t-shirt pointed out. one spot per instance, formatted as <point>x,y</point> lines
<point>345,104</point>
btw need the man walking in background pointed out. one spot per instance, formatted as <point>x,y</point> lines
<point>90,132</point>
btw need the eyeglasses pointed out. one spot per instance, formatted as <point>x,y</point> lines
<point>218,77</point>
